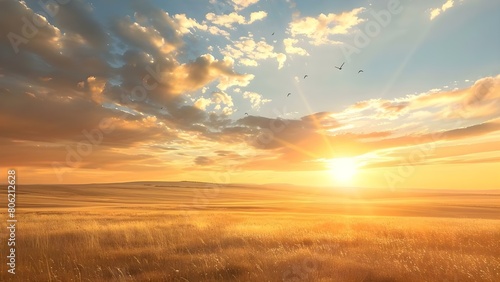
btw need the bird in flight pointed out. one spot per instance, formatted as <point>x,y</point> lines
<point>340,68</point>
<point>246,114</point>
<point>288,94</point>
<point>360,71</point>
<point>305,76</point>
<point>272,34</point>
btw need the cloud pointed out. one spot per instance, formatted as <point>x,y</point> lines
<point>217,31</point>
<point>176,79</point>
<point>248,52</point>
<point>283,132</point>
<point>229,20</point>
<point>281,58</point>
<point>54,119</point>
<point>437,11</point>
<point>478,101</point>
<point>70,53</point>
<point>146,38</point>
<point>223,102</point>
<point>185,24</point>
<point>70,78</point>
<point>203,70</point>
<point>222,98</point>
<point>255,99</point>
<point>291,49</point>
<point>320,29</point>
<point>297,143</point>
<point>474,130</point>
<point>203,161</point>
<point>77,17</point>
<point>257,16</point>
<point>203,103</point>
<point>242,4</point>
<point>226,20</point>
<point>96,87</point>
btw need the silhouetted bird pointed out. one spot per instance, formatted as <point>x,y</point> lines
<point>340,68</point>
<point>288,94</point>
<point>360,71</point>
<point>246,114</point>
<point>272,34</point>
<point>305,76</point>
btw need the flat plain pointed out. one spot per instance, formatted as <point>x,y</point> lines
<point>188,231</point>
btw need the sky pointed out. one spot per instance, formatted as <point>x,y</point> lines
<point>216,91</point>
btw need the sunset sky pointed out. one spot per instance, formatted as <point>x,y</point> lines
<point>115,91</point>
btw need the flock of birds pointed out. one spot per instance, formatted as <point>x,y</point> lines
<point>339,68</point>
<point>305,76</point>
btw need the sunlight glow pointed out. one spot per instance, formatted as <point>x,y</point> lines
<point>343,169</point>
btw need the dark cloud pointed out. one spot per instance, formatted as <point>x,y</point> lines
<point>54,119</point>
<point>143,38</point>
<point>474,130</point>
<point>160,20</point>
<point>394,107</point>
<point>203,161</point>
<point>76,17</point>
<point>276,133</point>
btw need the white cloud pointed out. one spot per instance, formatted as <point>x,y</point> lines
<point>248,62</point>
<point>229,20</point>
<point>226,20</point>
<point>228,111</point>
<point>281,58</point>
<point>255,99</point>
<point>185,24</point>
<point>248,52</point>
<point>202,103</point>
<point>222,98</point>
<point>320,29</point>
<point>222,101</point>
<point>214,30</point>
<point>290,49</point>
<point>257,16</point>
<point>242,4</point>
<point>437,11</point>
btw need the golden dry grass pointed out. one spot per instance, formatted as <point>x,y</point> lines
<point>111,233</point>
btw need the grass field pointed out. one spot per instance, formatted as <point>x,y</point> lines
<point>201,232</point>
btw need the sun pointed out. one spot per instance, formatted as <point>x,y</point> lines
<point>343,169</point>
